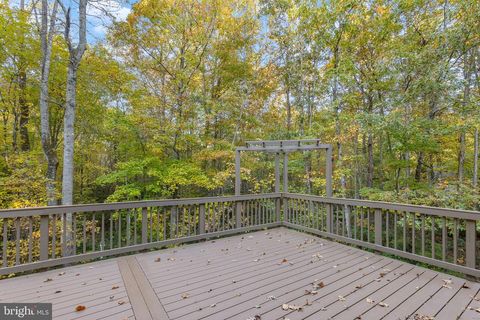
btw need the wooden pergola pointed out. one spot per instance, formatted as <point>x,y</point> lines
<point>285,147</point>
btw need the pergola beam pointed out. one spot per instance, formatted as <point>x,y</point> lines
<point>285,147</point>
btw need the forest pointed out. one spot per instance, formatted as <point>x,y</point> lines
<point>155,107</point>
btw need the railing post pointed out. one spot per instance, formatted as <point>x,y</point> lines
<point>329,219</point>
<point>201,219</point>
<point>144,225</point>
<point>285,209</point>
<point>278,208</point>
<point>470,239</point>
<point>238,215</point>
<point>44,237</point>
<point>173,222</point>
<point>378,227</point>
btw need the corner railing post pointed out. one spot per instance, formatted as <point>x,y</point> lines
<point>329,219</point>
<point>285,209</point>
<point>470,239</point>
<point>378,227</point>
<point>144,225</point>
<point>238,215</point>
<point>278,209</point>
<point>201,219</point>
<point>44,237</point>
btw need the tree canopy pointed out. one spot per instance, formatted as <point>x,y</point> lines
<point>166,96</point>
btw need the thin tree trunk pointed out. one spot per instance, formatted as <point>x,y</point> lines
<point>46,36</point>
<point>461,156</point>
<point>22,85</point>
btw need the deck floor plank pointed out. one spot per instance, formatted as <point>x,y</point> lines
<point>245,275</point>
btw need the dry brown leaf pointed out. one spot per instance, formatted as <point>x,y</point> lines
<point>61,273</point>
<point>370,301</point>
<point>383,304</point>
<point>115,287</point>
<point>158,259</point>
<point>359,286</point>
<point>284,260</point>
<point>120,302</point>
<point>48,280</point>
<point>465,286</point>
<point>58,291</point>
<point>422,317</point>
<point>185,295</point>
<point>310,292</point>
<point>341,298</point>
<point>80,308</point>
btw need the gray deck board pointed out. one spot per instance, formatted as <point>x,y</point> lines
<point>248,275</point>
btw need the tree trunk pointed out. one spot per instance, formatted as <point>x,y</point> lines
<point>370,161</point>
<point>75,56</point>
<point>46,37</point>
<point>461,156</point>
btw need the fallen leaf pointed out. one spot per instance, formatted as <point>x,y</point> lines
<point>120,302</point>
<point>115,287</point>
<point>158,259</point>
<point>58,291</point>
<point>213,305</point>
<point>310,292</point>
<point>370,301</point>
<point>383,304</point>
<point>359,286</point>
<point>422,317</point>
<point>185,295</point>
<point>341,298</point>
<point>284,260</point>
<point>465,286</point>
<point>80,308</point>
<point>48,280</point>
<point>61,273</point>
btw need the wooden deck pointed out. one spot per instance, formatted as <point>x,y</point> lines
<point>271,274</point>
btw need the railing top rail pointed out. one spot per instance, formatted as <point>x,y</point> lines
<point>38,211</point>
<point>447,212</point>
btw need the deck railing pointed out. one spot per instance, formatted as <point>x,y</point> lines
<point>440,237</point>
<point>35,238</point>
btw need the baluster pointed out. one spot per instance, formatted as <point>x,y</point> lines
<point>135,213</point>
<point>30,240</point>
<point>432,218</point>
<point>119,231</point>
<point>405,221</point>
<point>5,241</point>
<point>361,224</point>
<point>144,225</point>
<point>54,236</point>
<point>84,224</point>
<point>444,238</point>
<point>395,221</point>
<point>94,231</point>
<point>111,229</point>
<point>387,228</point>
<point>64,234</point>
<point>17,241</point>
<point>164,218</point>
<point>423,234</point>
<point>368,225</point>
<point>44,236</point>
<point>102,244</point>
<point>128,228</point>
<point>201,219</point>
<point>455,240</point>
<point>413,233</point>
<point>74,237</point>
<point>150,221</point>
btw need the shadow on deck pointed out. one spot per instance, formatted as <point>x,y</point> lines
<point>270,274</point>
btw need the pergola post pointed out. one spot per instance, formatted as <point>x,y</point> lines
<point>237,173</point>
<point>277,172</point>
<point>285,172</point>
<point>328,172</point>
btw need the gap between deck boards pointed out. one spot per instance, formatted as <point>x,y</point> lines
<point>144,301</point>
